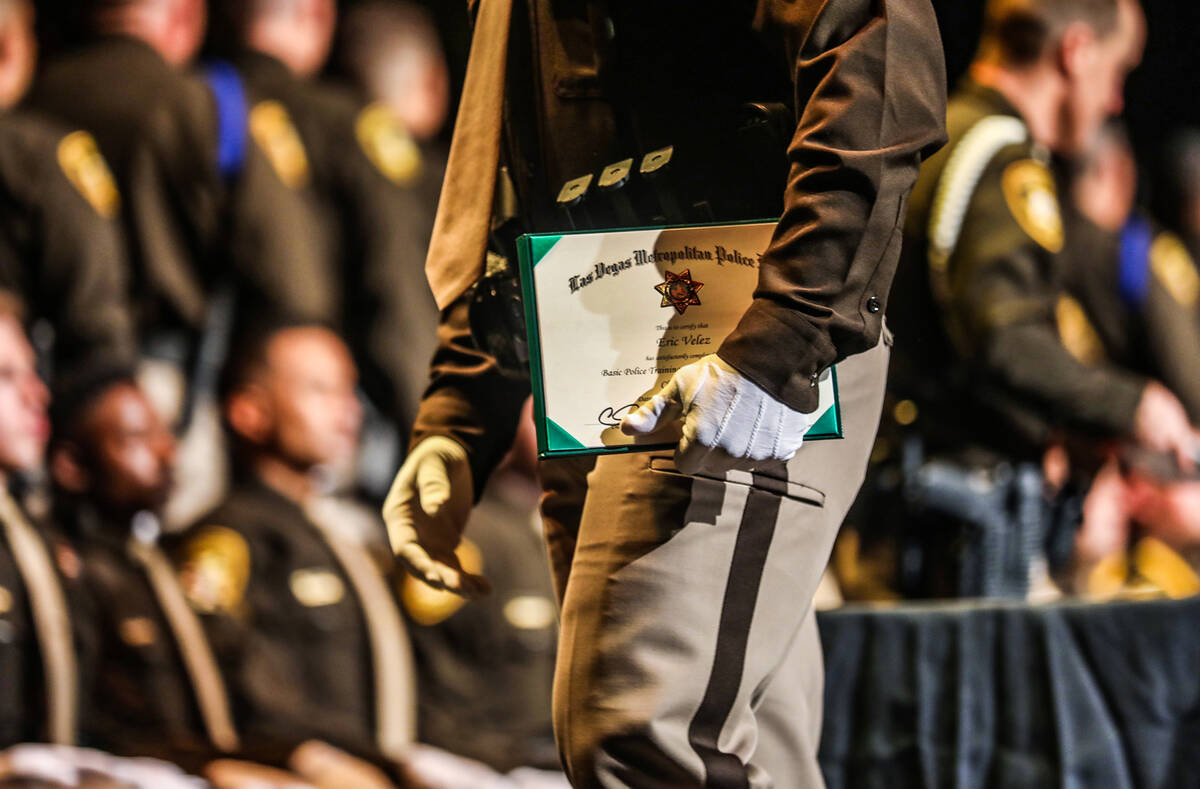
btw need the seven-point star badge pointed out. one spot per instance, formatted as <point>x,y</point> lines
<point>680,291</point>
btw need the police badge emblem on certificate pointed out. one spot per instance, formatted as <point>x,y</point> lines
<point>612,315</point>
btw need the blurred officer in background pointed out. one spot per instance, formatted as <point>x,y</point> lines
<point>1140,292</point>
<point>303,619</point>
<point>39,573</point>
<point>990,363</point>
<point>369,170</point>
<point>158,691</point>
<point>60,245</point>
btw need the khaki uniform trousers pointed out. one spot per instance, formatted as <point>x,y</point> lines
<point>689,654</point>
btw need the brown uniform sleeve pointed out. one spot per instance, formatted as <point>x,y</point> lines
<point>469,399</point>
<point>1171,317</point>
<point>871,101</point>
<point>174,210</point>
<point>1005,307</point>
<point>83,278</point>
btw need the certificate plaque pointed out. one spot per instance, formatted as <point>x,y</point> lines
<point>611,315</point>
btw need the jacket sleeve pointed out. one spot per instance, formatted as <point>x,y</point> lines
<point>469,399</point>
<point>83,278</point>
<point>1171,318</point>
<point>1019,332</point>
<point>871,103</point>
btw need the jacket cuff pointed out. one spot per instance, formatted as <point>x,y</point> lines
<point>782,351</point>
<point>446,412</point>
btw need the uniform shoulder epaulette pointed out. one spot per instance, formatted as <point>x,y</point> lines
<point>81,161</point>
<point>1032,198</point>
<point>214,569</point>
<point>275,134</point>
<point>387,144</point>
<point>1175,269</point>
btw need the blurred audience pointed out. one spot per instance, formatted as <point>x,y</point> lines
<point>60,245</point>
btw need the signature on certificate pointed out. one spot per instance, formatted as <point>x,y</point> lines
<point>611,417</point>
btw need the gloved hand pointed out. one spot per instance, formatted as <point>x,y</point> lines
<point>426,511</point>
<point>729,422</point>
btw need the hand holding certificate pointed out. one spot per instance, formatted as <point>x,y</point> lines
<point>614,315</point>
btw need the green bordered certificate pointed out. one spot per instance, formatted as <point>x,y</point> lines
<point>612,315</point>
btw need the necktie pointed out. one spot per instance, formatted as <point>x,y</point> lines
<point>51,620</point>
<point>391,654</point>
<point>464,214</point>
<point>198,657</point>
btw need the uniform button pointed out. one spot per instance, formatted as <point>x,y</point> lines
<point>873,305</point>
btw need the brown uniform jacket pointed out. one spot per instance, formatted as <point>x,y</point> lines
<point>1140,290</point>
<point>867,84</point>
<point>985,341</point>
<point>188,226</point>
<point>143,703</point>
<point>285,624</point>
<point>60,245</point>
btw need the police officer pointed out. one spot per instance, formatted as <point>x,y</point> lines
<point>60,246</point>
<point>158,691</point>
<point>303,619</point>
<point>217,179</point>
<point>370,172</point>
<point>40,697</point>
<point>991,360</point>
<point>686,621</point>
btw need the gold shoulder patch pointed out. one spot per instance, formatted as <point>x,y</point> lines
<point>276,135</point>
<point>429,606</point>
<point>1078,335</point>
<point>316,586</point>
<point>82,163</point>
<point>387,145</point>
<point>1175,269</point>
<point>1033,199</point>
<point>6,600</point>
<point>215,570</point>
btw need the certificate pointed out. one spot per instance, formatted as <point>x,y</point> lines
<point>611,315</point>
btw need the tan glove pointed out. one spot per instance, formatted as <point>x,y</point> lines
<point>426,511</point>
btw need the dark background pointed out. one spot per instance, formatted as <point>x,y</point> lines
<point>1162,96</point>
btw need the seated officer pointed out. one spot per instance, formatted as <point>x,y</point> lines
<point>157,691</point>
<point>39,693</point>
<point>60,245</point>
<point>303,620</point>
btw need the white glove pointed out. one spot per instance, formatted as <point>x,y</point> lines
<point>728,421</point>
<point>426,511</point>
